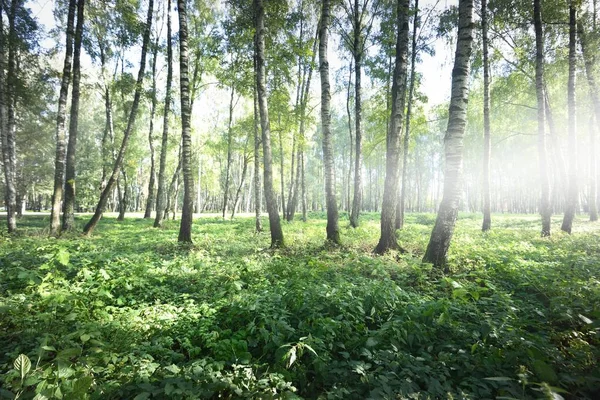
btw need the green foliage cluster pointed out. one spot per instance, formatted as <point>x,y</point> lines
<point>129,313</point>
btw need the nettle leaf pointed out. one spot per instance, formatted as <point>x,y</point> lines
<point>40,396</point>
<point>23,365</point>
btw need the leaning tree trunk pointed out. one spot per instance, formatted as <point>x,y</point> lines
<point>89,227</point>
<point>487,143</point>
<point>69,203</point>
<point>152,181</point>
<point>357,52</point>
<point>413,62</point>
<point>589,61</point>
<point>161,195</point>
<point>387,240</point>
<point>274,221</point>
<point>61,140</point>
<point>572,194</point>
<point>185,228</point>
<point>437,249</point>
<point>333,230</point>
<point>351,137</point>
<point>545,209</point>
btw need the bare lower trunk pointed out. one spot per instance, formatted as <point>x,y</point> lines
<point>70,187</point>
<point>439,243</point>
<point>89,227</point>
<point>123,197</point>
<point>161,195</point>
<point>241,185</point>
<point>274,221</point>
<point>61,140</point>
<point>387,240</point>
<point>545,209</point>
<point>567,224</point>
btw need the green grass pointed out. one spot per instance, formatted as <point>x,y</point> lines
<point>130,313</point>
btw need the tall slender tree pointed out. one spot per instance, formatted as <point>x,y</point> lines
<point>333,231</point>
<point>8,141</point>
<point>185,227</point>
<point>257,143</point>
<point>161,195</point>
<point>439,243</point>
<point>151,200</point>
<point>567,224</point>
<point>387,240</point>
<point>545,209</point>
<point>589,61</point>
<point>487,142</point>
<point>61,139</point>
<point>91,225</point>
<point>69,202</point>
<point>274,221</point>
<point>413,62</point>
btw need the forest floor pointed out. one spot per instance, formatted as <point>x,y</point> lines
<point>130,314</point>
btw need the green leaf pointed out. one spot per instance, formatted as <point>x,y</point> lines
<point>371,342</point>
<point>142,396</point>
<point>82,385</point>
<point>23,365</point>
<point>544,371</point>
<point>40,396</point>
<point>84,338</point>
<point>291,356</point>
<point>63,257</point>
<point>173,368</point>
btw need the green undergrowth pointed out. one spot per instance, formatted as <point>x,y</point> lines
<point>130,314</point>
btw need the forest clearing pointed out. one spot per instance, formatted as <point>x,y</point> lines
<point>130,313</point>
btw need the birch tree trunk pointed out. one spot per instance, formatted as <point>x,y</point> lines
<point>61,140</point>
<point>161,195</point>
<point>413,61</point>
<point>437,249</point>
<point>69,202</point>
<point>589,61</point>
<point>357,53</point>
<point>229,152</point>
<point>333,230</point>
<point>185,227</point>
<point>387,240</point>
<point>487,143</point>
<point>567,224</point>
<point>91,225</point>
<point>7,128</point>
<point>150,202</point>
<point>272,209</point>
<point>257,143</point>
<point>545,209</point>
